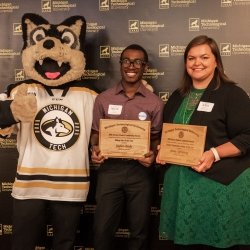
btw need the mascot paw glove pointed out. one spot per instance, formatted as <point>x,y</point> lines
<point>24,105</point>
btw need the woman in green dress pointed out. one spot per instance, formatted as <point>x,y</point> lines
<point>207,205</point>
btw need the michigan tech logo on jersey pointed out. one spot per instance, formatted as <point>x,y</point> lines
<point>56,127</point>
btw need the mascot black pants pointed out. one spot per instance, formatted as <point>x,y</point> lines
<point>122,185</point>
<point>30,218</point>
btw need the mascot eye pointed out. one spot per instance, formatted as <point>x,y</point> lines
<point>69,38</point>
<point>38,35</point>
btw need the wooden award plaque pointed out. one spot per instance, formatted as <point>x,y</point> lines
<point>124,138</point>
<point>182,144</point>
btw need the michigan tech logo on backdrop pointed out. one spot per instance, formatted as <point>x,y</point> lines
<point>104,51</point>
<point>163,4</point>
<point>163,50</point>
<point>17,29</point>
<point>226,3</point>
<point>46,6</point>
<point>8,7</point>
<point>133,26</point>
<point>106,5</point>
<point>56,127</point>
<point>194,24</point>
<point>103,5</point>
<point>228,49</point>
<point>19,75</point>
<point>55,6</point>
<point>225,49</point>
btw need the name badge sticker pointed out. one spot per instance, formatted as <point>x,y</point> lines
<point>205,106</point>
<point>115,109</point>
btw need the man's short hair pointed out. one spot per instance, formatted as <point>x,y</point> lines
<point>136,47</point>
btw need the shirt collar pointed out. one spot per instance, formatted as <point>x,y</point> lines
<point>141,90</point>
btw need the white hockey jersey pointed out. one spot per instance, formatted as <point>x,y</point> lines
<point>53,159</point>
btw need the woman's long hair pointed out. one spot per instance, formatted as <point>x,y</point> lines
<point>219,73</point>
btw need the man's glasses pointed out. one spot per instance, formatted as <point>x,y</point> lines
<point>137,63</point>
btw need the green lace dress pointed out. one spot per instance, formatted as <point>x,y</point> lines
<point>198,210</point>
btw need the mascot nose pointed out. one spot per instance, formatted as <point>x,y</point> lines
<point>48,44</point>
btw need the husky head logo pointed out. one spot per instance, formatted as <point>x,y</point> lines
<point>56,127</point>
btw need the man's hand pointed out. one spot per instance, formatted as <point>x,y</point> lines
<point>147,160</point>
<point>96,156</point>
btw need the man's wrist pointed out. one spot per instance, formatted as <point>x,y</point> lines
<point>92,147</point>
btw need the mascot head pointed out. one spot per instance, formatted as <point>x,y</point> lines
<point>53,54</point>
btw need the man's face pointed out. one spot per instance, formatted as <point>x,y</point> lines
<point>132,66</point>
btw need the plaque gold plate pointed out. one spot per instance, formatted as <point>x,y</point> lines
<point>182,144</point>
<point>124,138</point>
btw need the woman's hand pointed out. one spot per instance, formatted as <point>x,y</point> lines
<point>205,162</point>
<point>157,157</point>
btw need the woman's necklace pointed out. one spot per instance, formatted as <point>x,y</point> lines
<point>191,101</point>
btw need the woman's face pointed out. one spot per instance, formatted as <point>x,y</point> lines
<point>200,65</point>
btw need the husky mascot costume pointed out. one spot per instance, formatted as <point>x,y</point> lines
<point>52,115</point>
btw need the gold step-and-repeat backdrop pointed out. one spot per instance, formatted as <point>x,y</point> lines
<point>163,27</point>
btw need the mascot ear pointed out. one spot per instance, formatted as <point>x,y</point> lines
<point>78,25</point>
<point>29,22</point>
